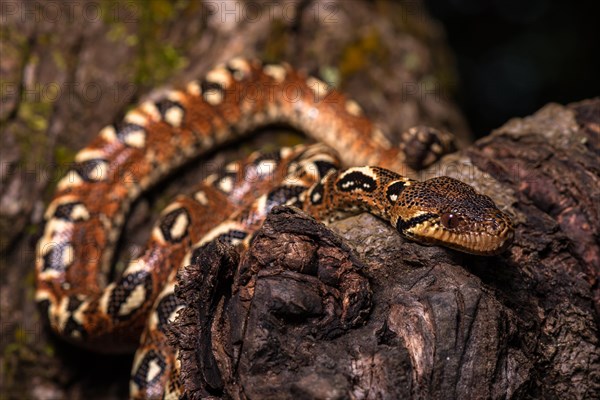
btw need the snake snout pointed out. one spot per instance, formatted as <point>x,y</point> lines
<point>494,235</point>
<point>485,230</point>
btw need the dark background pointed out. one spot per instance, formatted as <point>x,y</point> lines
<point>515,56</point>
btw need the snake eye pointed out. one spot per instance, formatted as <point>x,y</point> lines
<point>450,220</point>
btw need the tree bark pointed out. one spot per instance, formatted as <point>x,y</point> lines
<point>68,72</point>
<point>359,312</point>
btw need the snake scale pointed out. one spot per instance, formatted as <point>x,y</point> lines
<point>84,219</point>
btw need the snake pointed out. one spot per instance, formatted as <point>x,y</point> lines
<point>352,168</point>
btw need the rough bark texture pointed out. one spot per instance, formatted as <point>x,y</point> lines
<point>440,324</point>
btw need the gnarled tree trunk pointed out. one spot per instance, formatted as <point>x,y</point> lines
<point>358,312</point>
<point>377,316</point>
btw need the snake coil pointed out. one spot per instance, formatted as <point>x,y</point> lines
<point>84,219</point>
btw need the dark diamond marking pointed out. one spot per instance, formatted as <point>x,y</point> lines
<point>165,105</point>
<point>73,326</point>
<point>316,194</point>
<point>282,195</point>
<point>64,211</point>
<point>208,86</point>
<point>124,288</point>
<point>140,375</point>
<point>394,189</point>
<point>123,130</point>
<point>89,169</point>
<point>168,221</point>
<point>165,308</point>
<point>324,167</point>
<point>237,73</point>
<point>231,235</point>
<point>54,257</point>
<point>356,181</point>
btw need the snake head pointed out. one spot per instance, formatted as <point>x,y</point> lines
<point>447,212</point>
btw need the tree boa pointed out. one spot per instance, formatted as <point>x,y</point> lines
<point>84,219</point>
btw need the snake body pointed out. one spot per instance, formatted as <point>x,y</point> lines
<point>84,219</point>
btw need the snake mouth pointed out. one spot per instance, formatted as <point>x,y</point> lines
<point>479,242</point>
